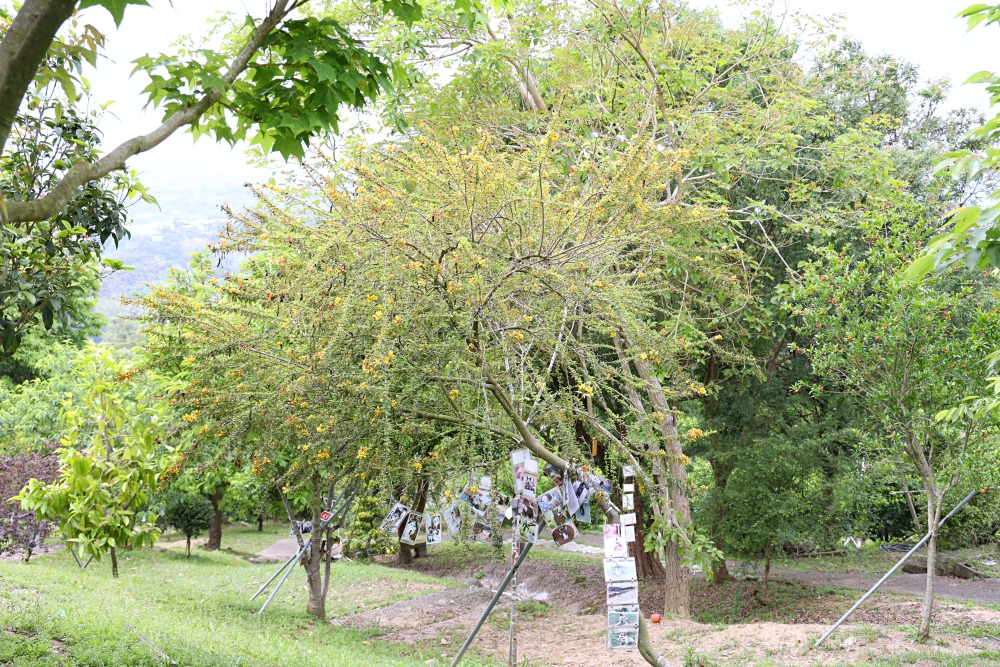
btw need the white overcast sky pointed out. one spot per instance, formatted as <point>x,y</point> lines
<point>924,32</point>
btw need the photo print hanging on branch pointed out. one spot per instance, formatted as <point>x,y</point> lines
<point>481,532</point>
<point>555,474</point>
<point>394,517</point>
<point>528,532</point>
<point>619,569</point>
<point>615,546</point>
<point>624,638</point>
<point>519,463</point>
<point>530,478</point>
<point>453,519</point>
<point>412,528</point>
<point>565,533</point>
<point>623,616</point>
<point>526,508</point>
<point>434,534</point>
<point>583,514</point>
<point>622,593</point>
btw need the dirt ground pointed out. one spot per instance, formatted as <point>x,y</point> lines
<point>561,621</point>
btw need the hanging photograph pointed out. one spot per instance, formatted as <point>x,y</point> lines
<point>583,515</point>
<point>528,532</point>
<point>555,474</point>
<point>623,638</point>
<point>623,616</point>
<point>628,502</point>
<point>434,535</point>
<point>519,460</point>
<point>481,532</point>
<point>394,518</point>
<point>623,592</point>
<point>530,478</point>
<point>485,484</point>
<point>550,500</point>
<point>476,500</point>
<point>453,519</point>
<point>628,471</point>
<point>628,488</point>
<point>569,496</point>
<point>630,533</point>
<point>601,483</point>
<point>567,532</point>
<point>412,528</point>
<point>615,546</point>
<point>526,508</point>
<point>619,569</point>
<point>612,529</point>
<point>628,519</point>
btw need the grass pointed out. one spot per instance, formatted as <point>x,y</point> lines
<point>195,611</point>
<point>239,538</point>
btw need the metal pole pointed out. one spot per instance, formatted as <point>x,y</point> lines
<point>493,602</point>
<point>281,583</point>
<point>892,571</point>
<point>275,576</point>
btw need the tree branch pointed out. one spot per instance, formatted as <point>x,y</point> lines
<point>84,172</point>
<point>22,50</point>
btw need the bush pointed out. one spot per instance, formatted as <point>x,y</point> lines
<point>20,530</point>
<point>189,513</point>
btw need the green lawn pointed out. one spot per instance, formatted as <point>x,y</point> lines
<point>196,611</point>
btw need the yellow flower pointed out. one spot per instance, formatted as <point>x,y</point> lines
<point>694,433</point>
<point>417,465</point>
<point>454,393</point>
<point>362,453</point>
<point>585,389</point>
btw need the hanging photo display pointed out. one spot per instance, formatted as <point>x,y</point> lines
<point>530,478</point>
<point>501,507</point>
<point>619,569</point>
<point>481,532</point>
<point>394,517</point>
<point>629,533</point>
<point>478,501</point>
<point>550,500</point>
<point>623,592</point>
<point>526,509</point>
<point>623,616</point>
<point>412,528</point>
<point>519,460</point>
<point>583,514</point>
<point>564,533</point>
<point>453,519</point>
<point>528,532</point>
<point>555,474</point>
<point>615,546</point>
<point>623,638</point>
<point>434,535</point>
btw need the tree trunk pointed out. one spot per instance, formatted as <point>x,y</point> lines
<point>313,558</point>
<point>260,523</point>
<point>764,595</point>
<point>721,476</point>
<point>215,532</point>
<point>114,562</point>
<point>647,564</point>
<point>188,546</point>
<point>676,584</point>
<point>407,552</point>
<point>933,511</point>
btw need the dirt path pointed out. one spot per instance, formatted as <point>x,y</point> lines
<point>983,591</point>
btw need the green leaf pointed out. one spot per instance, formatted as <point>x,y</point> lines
<point>115,7</point>
<point>920,268</point>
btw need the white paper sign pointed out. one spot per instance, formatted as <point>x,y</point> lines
<point>630,533</point>
<point>628,519</point>
<point>628,502</point>
<point>628,488</point>
<point>628,471</point>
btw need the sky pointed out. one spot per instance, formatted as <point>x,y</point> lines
<point>191,180</point>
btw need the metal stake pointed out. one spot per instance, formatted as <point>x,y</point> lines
<point>83,566</point>
<point>282,582</point>
<point>273,577</point>
<point>893,570</point>
<point>493,602</point>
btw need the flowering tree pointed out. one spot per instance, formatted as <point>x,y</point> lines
<point>20,530</point>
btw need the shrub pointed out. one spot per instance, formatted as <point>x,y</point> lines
<point>189,513</point>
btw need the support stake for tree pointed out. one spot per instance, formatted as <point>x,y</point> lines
<point>892,571</point>
<point>493,603</point>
